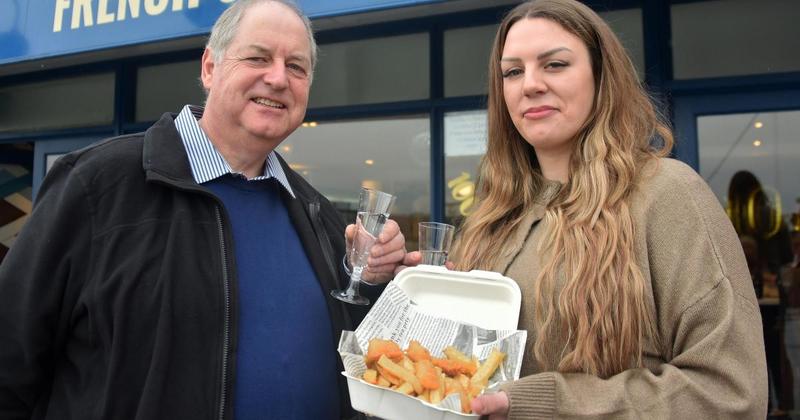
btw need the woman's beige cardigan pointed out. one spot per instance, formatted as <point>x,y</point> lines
<point>710,363</point>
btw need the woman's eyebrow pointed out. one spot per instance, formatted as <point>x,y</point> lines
<point>548,53</point>
<point>539,57</point>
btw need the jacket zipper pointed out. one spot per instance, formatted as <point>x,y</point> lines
<point>226,329</point>
<point>225,283</point>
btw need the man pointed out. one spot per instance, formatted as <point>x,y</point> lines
<point>184,272</point>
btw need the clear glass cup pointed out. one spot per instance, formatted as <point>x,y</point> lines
<point>373,212</point>
<point>434,242</point>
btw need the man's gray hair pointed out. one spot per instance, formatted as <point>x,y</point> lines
<point>227,25</point>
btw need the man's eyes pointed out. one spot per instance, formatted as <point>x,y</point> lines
<point>256,59</point>
<point>297,68</point>
<point>293,67</point>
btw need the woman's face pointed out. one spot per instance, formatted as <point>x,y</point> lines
<point>548,84</point>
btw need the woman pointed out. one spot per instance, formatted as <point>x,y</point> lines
<point>635,291</point>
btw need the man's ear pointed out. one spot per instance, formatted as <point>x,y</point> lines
<point>207,69</point>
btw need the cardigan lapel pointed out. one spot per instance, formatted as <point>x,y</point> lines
<point>546,194</point>
<point>517,240</point>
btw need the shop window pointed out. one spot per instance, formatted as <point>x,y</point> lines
<point>752,163</point>
<point>71,102</point>
<point>167,88</point>
<point>735,37</point>
<point>391,154</point>
<point>464,145</point>
<point>764,144</point>
<point>374,70</point>
<point>627,25</point>
<point>466,60</point>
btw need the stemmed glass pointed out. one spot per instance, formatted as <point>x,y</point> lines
<point>373,212</point>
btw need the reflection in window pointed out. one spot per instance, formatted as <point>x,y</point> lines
<point>735,37</point>
<point>765,144</point>
<point>464,145</point>
<point>392,155</point>
<point>627,25</point>
<point>167,88</point>
<point>22,107</point>
<point>373,70</point>
<point>752,163</point>
<point>466,60</point>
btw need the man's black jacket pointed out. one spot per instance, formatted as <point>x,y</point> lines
<point>118,299</point>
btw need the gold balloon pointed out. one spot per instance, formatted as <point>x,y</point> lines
<point>462,189</point>
<point>751,220</point>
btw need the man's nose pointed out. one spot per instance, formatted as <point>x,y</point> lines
<point>275,75</point>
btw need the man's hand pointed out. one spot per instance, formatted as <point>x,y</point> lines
<point>493,405</point>
<point>385,256</point>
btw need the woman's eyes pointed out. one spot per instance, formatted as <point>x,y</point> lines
<point>550,65</point>
<point>555,65</point>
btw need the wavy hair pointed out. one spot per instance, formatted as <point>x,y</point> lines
<point>602,313</point>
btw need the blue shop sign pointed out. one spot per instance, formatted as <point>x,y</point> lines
<point>33,29</point>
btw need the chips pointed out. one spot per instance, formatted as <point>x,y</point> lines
<point>415,373</point>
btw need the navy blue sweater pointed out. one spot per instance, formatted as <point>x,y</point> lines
<point>285,366</point>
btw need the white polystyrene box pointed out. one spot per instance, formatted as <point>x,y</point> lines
<point>482,298</point>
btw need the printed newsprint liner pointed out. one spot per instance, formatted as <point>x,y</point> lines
<point>474,311</point>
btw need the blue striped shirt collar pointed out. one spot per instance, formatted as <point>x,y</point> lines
<point>204,159</point>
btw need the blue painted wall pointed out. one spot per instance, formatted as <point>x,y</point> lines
<point>33,29</point>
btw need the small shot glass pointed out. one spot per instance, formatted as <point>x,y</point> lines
<point>434,242</point>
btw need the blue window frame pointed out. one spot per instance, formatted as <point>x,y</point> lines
<point>47,150</point>
<point>689,106</point>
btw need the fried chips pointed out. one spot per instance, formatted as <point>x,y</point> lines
<point>416,373</point>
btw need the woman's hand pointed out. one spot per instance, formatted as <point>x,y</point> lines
<point>493,405</point>
<point>414,258</point>
<point>385,256</point>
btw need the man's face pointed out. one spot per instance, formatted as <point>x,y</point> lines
<point>259,90</point>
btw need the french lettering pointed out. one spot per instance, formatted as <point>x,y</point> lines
<point>58,19</point>
<point>79,6</point>
<point>155,7</point>
<point>102,13</point>
<point>83,14</point>
<point>123,5</point>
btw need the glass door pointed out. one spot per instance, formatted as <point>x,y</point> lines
<point>16,162</point>
<point>747,148</point>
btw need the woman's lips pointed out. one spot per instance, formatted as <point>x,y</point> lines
<point>538,112</point>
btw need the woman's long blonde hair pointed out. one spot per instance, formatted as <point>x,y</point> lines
<point>602,314</point>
